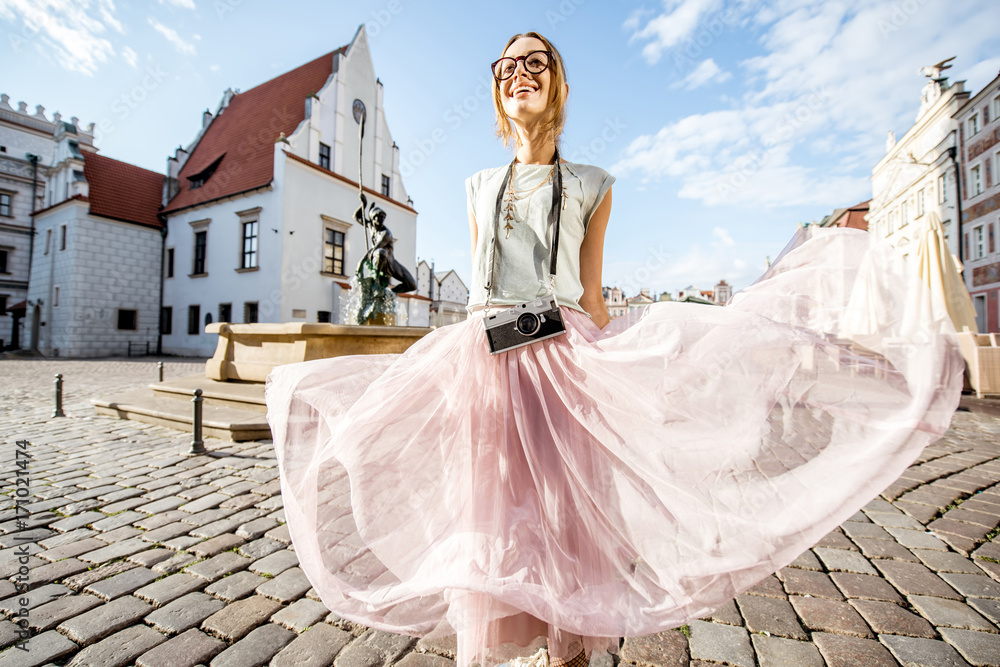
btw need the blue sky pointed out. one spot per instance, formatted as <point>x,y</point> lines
<point>725,122</point>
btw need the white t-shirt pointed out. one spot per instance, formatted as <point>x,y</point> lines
<point>521,272</point>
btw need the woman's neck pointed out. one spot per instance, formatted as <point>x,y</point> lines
<point>535,149</point>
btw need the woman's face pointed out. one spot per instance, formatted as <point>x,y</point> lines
<point>525,95</point>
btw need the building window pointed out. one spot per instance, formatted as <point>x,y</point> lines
<point>128,320</point>
<point>250,312</point>
<point>3,261</point>
<point>977,180</point>
<point>200,243</point>
<point>996,107</point>
<point>62,237</point>
<point>333,252</point>
<point>225,312</point>
<point>979,242</point>
<point>974,125</point>
<point>5,205</point>
<point>194,316</point>
<point>920,201</point>
<point>208,319</point>
<point>55,300</point>
<point>48,240</point>
<point>249,245</point>
<point>904,213</point>
<point>943,188</point>
<point>386,185</point>
<point>170,262</point>
<point>324,155</point>
<point>966,254</point>
<point>991,239</point>
<point>3,304</point>
<point>323,315</point>
<point>198,180</point>
<point>167,320</point>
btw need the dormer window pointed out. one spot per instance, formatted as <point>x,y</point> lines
<point>202,177</point>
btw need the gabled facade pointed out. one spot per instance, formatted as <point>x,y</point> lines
<point>918,174</point>
<point>979,131</point>
<point>446,292</point>
<point>260,216</point>
<point>94,286</point>
<point>614,298</point>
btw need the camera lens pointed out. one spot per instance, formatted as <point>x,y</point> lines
<point>527,324</point>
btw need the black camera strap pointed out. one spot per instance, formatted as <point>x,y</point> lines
<point>554,215</point>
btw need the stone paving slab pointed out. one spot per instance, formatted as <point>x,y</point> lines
<point>143,554</point>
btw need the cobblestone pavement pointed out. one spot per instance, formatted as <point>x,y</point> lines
<point>140,554</point>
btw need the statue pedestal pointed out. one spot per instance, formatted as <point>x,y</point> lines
<point>248,352</point>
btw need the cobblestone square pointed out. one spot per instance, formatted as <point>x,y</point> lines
<point>139,554</point>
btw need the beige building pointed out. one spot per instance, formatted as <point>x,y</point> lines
<point>919,171</point>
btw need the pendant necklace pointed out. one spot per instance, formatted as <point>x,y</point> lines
<point>511,198</point>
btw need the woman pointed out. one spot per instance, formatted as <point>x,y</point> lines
<point>615,479</point>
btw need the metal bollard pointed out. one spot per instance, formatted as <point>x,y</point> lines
<point>197,445</point>
<point>58,411</point>
<point>159,368</point>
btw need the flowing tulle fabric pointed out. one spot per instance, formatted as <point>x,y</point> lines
<point>611,482</point>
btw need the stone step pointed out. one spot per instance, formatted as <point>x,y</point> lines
<point>231,394</point>
<point>173,411</point>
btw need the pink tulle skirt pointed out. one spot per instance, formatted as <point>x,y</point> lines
<point>610,482</point>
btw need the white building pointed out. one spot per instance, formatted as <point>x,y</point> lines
<point>27,146</point>
<point>614,298</point>
<point>261,205</point>
<point>917,175</point>
<point>94,286</point>
<point>447,294</point>
<point>979,131</point>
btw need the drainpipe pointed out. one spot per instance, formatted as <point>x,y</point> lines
<point>952,153</point>
<point>163,258</point>
<point>34,187</point>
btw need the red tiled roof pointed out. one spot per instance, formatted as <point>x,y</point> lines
<point>243,135</point>
<point>854,217</point>
<point>123,191</point>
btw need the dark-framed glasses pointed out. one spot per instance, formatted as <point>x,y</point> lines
<point>535,62</point>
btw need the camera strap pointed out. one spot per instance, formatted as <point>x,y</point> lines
<point>553,221</point>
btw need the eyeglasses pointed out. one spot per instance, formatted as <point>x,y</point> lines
<point>535,62</point>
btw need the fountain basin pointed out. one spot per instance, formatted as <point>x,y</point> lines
<point>248,352</point>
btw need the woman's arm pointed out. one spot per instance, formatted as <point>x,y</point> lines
<point>591,264</point>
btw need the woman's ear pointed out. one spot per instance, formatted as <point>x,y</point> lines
<point>566,85</point>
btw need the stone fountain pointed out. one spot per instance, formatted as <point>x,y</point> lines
<point>233,383</point>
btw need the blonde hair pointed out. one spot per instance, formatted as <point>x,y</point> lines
<point>555,117</point>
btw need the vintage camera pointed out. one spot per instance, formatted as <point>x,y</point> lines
<point>523,324</point>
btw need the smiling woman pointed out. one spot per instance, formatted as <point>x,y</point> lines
<point>585,480</point>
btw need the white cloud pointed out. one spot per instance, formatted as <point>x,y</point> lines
<point>214,69</point>
<point>673,27</point>
<point>130,56</point>
<point>183,4</point>
<point>107,12</point>
<point>68,31</point>
<point>182,45</point>
<point>809,119</point>
<point>706,72</point>
<point>722,236</point>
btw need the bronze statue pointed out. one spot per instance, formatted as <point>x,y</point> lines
<point>379,259</point>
